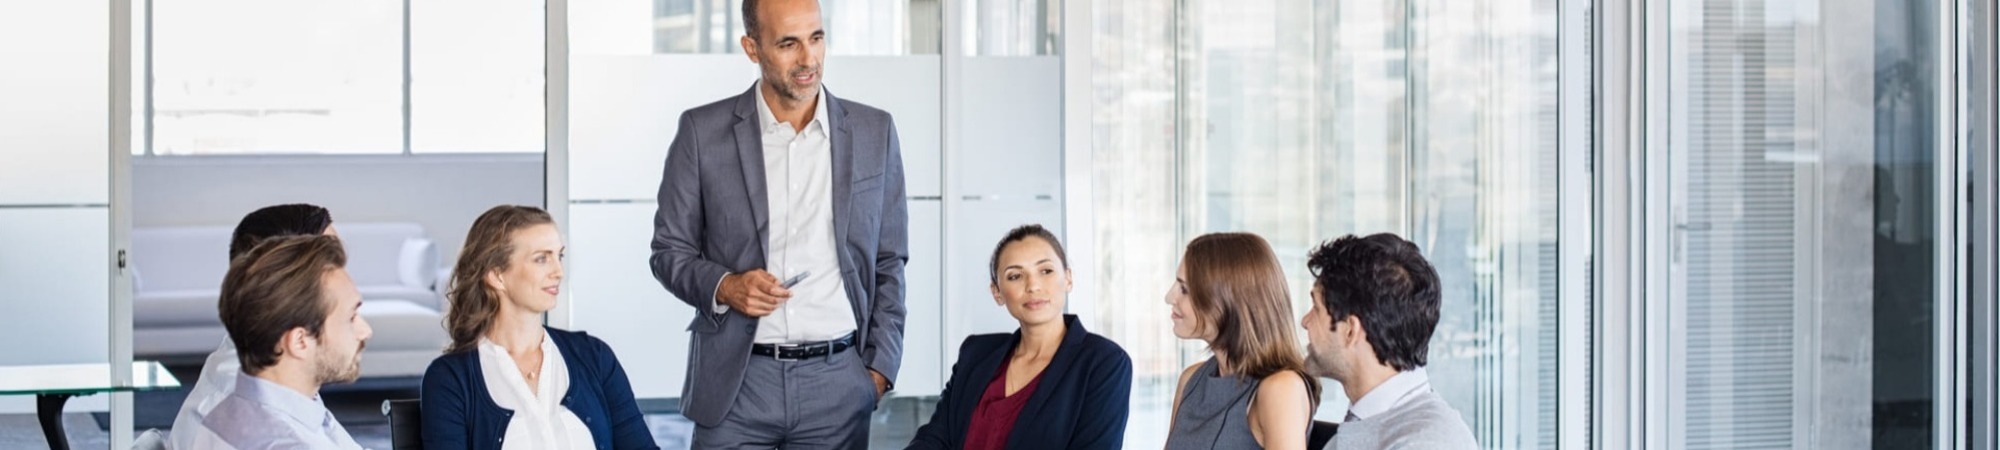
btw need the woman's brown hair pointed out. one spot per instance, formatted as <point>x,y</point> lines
<point>1238,287</point>
<point>474,304</point>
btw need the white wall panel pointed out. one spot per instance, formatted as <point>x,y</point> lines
<point>1011,128</point>
<point>57,305</point>
<point>624,111</point>
<point>924,366</point>
<point>617,299</point>
<point>54,103</point>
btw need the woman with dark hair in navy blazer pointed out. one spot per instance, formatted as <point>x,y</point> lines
<point>1050,384</point>
<point>507,382</point>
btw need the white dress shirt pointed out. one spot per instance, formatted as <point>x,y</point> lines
<point>218,379</point>
<point>540,421</point>
<point>260,414</point>
<point>798,180</point>
<point>1392,393</point>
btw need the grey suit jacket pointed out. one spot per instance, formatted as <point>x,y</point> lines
<point>714,219</point>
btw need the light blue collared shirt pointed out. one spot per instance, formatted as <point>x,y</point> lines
<point>261,415</point>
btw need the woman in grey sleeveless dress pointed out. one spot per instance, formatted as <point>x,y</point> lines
<point>1230,293</point>
<point>1214,412</point>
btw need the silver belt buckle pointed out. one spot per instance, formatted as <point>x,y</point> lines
<point>778,352</point>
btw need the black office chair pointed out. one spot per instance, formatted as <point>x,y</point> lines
<point>1322,431</point>
<point>406,423</point>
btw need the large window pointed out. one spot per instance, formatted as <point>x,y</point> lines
<point>1302,121</point>
<point>901,27</point>
<point>1013,27</point>
<point>1805,145</point>
<point>357,77</point>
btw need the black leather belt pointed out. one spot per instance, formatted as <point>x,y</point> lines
<point>794,352</point>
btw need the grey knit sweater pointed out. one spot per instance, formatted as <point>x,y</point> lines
<point>1425,422</point>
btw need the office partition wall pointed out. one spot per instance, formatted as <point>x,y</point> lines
<point>62,127</point>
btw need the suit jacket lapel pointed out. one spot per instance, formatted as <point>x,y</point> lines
<point>750,150</point>
<point>843,186</point>
<point>843,168</point>
<point>1059,365</point>
<point>982,374</point>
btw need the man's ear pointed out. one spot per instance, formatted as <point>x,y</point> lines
<point>1350,333</point>
<point>295,341</point>
<point>750,49</point>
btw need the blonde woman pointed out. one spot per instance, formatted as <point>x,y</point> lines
<point>508,382</point>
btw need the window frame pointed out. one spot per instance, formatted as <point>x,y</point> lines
<point>143,121</point>
<point>1632,405</point>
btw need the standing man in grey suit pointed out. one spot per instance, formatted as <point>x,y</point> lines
<point>782,222</point>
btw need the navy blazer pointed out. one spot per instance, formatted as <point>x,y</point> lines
<point>1081,403</point>
<point>458,412</point>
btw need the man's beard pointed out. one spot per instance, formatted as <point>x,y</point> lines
<point>1324,365</point>
<point>790,92</point>
<point>332,369</point>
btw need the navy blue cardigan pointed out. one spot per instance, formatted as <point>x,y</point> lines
<point>1081,403</point>
<point>458,413</point>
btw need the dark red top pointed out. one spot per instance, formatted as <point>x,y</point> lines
<point>994,418</point>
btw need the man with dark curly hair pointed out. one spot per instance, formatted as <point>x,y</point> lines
<point>1375,305</point>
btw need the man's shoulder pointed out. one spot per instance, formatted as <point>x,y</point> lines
<point>720,108</point>
<point>236,408</point>
<point>243,423</point>
<point>859,113</point>
<point>1427,422</point>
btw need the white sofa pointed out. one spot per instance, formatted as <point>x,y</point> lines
<point>178,277</point>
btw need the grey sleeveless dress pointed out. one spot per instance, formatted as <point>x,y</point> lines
<point>1215,412</point>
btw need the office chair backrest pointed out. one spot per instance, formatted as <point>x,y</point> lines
<point>405,424</point>
<point>1322,431</point>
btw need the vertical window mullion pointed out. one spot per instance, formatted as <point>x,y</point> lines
<point>147,71</point>
<point>406,78</point>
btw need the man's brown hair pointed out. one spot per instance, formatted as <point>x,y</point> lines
<point>277,286</point>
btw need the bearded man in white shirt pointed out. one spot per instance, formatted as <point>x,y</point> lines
<point>293,313</point>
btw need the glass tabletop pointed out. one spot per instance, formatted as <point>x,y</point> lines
<point>81,379</point>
